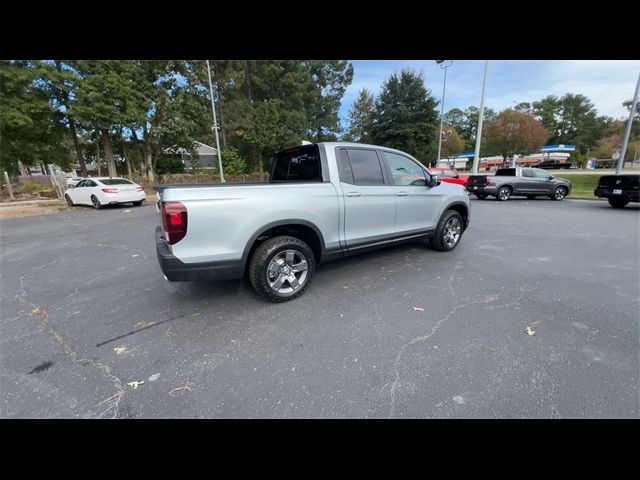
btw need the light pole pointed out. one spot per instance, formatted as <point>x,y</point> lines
<point>443,65</point>
<point>476,156</point>
<point>627,132</point>
<point>215,125</point>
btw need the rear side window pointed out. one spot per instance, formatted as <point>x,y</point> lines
<point>365,166</point>
<point>344,167</point>
<point>506,172</point>
<point>115,181</point>
<point>299,164</point>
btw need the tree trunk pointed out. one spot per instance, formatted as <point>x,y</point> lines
<point>143,167</point>
<point>148,158</point>
<point>108,153</point>
<point>98,156</point>
<point>127,162</point>
<point>72,128</point>
<point>23,171</point>
<point>78,147</point>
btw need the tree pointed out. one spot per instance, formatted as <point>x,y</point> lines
<point>361,117</point>
<point>571,119</point>
<point>513,133</point>
<point>30,128</point>
<point>452,142</point>
<point>108,96</point>
<point>330,80</point>
<point>406,116</point>
<point>466,123</point>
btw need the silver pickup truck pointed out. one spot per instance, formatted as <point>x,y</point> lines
<point>519,181</point>
<point>323,201</point>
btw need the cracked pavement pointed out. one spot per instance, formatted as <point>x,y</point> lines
<point>85,311</point>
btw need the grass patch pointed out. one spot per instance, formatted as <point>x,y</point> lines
<point>581,185</point>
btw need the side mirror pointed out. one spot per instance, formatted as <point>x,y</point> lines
<point>434,181</point>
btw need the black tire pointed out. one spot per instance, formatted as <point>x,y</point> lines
<point>481,196</point>
<point>559,193</point>
<point>69,201</point>
<point>503,194</point>
<point>96,203</point>
<point>138,203</point>
<point>271,250</point>
<point>440,240</point>
<point>531,197</point>
<point>618,202</point>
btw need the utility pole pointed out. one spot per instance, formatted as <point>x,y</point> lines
<point>476,156</point>
<point>215,124</point>
<point>444,66</point>
<point>627,132</point>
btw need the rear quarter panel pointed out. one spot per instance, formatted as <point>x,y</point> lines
<point>222,220</point>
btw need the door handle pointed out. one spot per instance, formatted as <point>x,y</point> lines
<point>402,194</point>
<point>354,194</point>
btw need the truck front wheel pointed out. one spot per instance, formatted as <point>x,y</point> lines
<point>448,231</point>
<point>281,268</point>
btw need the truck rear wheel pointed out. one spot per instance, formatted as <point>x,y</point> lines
<point>618,202</point>
<point>448,231</point>
<point>281,268</point>
<point>504,193</point>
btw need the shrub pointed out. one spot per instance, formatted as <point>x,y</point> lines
<point>232,163</point>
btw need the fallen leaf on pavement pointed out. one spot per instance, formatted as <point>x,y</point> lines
<point>135,255</point>
<point>135,384</point>
<point>418,309</point>
<point>126,211</point>
<point>120,350</point>
<point>36,310</point>
<point>144,323</point>
<point>530,332</point>
<point>179,391</point>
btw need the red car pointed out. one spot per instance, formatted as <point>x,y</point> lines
<point>449,175</point>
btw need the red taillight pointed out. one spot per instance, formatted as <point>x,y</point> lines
<point>110,190</point>
<point>488,181</point>
<point>174,221</point>
<point>139,189</point>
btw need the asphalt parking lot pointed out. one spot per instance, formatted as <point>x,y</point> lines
<point>404,332</point>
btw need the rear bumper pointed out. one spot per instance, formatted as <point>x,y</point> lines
<point>631,195</point>
<point>176,270</point>
<point>487,190</point>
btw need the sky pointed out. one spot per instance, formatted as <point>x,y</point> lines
<point>607,83</point>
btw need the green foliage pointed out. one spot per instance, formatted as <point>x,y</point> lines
<point>361,117</point>
<point>466,123</point>
<point>169,164</point>
<point>30,128</point>
<point>571,119</point>
<point>406,116</point>
<point>232,163</point>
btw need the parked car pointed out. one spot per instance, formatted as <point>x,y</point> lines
<point>449,175</point>
<point>528,182</point>
<point>102,191</point>
<point>73,181</point>
<point>553,164</point>
<point>324,201</point>
<point>619,189</point>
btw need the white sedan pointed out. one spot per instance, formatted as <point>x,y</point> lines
<point>100,191</point>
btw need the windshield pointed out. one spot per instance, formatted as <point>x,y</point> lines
<point>116,181</point>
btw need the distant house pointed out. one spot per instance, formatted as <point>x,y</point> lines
<point>207,156</point>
